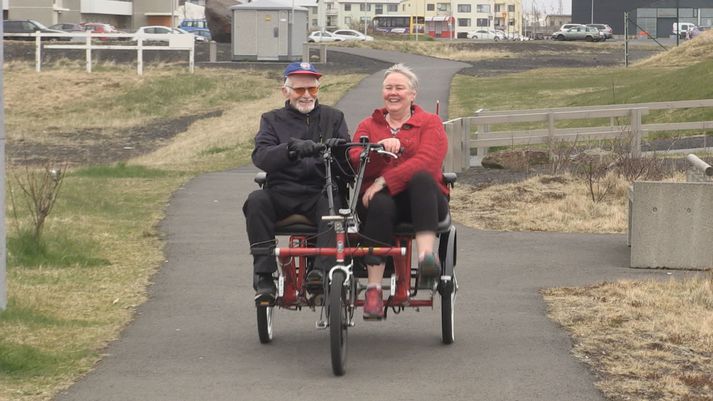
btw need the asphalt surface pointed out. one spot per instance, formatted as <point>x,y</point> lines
<point>196,337</point>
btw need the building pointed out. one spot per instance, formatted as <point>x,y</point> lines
<point>553,22</point>
<point>353,14</point>
<point>124,14</point>
<point>655,17</point>
<point>441,18</point>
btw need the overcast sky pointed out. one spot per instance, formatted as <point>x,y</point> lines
<point>548,6</point>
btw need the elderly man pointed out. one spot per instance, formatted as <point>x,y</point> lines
<point>287,149</point>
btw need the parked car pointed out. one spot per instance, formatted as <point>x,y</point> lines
<point>28,26</point>
<point>157,33</point>
<point>350,34</point>
<point>68,27</point>
<point>581,32</point>
<point>190,25</point>
<point>684,28</point>
<point>569,26</point>
<point>100,27</point>
<point>486,34</point>
<point>605,29</point>
<point>323,36</point>
<point>205,33</point>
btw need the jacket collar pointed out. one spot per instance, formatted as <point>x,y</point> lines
<point>416,120</point>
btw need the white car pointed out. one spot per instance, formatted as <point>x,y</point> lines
<point>350,34</point>
<point>486,34</point>
<point>326,36</point>
<point>157,32</point>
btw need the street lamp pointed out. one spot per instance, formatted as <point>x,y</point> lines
<point>591,18</point>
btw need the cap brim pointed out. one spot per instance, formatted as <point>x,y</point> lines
<point>314,74</point>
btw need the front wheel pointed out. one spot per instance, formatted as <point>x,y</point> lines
<point>264,323</point>
<point>338,322</point>
<point>448,298</point>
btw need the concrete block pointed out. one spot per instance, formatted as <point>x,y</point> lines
<point>671,225</point>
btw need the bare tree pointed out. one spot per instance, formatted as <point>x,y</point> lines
<point>41,189</point>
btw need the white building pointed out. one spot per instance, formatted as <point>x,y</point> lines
<point>124,14</point>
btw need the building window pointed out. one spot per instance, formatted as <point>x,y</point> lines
<point>365,7</point>
<point>445,7</point>
<point>483,8</point>
<point>463,21</point>
<point>511,22</point>
<point>430,7</point>
<point>379,8</point>
<point>464,8</point>
<point>497,8</point>
<point>347,7</point>
<point>511,8</point>
<point>392,8</point>
<point>482,22</point>
<point>347,21</point>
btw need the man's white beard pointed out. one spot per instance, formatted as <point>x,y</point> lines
<point>304,108</point>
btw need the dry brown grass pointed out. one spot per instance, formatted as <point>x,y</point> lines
<point>647,340</point>
<point>693,50</point>
<point>443,50</point>
<point>233,129</point>
<point>542,203</point>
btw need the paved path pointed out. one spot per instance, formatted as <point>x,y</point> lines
<point>196,339</point>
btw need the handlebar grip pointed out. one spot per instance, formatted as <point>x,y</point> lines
<point>262,251</point>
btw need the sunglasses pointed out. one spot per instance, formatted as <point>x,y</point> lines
<point>313,90</point>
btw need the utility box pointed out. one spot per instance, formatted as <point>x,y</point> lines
<point>268,30</point>
<point>671,225</point>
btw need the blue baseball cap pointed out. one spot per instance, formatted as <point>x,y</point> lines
<point>301,69</point>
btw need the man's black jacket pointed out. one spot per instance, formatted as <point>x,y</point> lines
<point>301,176</point>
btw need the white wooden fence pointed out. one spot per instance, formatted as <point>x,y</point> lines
<point>476,132</point>
<point>184,42</point>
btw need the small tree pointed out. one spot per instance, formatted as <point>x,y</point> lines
<point>41,189</point>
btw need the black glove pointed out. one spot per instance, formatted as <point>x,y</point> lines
<point>334,142</point>
<point>299,148</point>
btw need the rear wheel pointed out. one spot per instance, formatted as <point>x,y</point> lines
<point>338,322</point>
<point>448,298</point>
<point>264,323</point>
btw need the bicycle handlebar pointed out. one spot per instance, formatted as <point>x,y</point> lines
<point>374,147</point>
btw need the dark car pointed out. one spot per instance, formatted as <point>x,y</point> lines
<point>28,26</point>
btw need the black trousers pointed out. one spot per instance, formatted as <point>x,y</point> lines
<point>265,207</point>
<point>421,204</point>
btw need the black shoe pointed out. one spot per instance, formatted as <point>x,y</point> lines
<point>314,283</point>
<point>265,290</point>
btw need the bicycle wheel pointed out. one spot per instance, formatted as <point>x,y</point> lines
<point>338,322</point>
<point>448,298</point>
<point>264,323</point>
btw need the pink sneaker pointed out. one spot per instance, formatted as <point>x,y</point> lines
<point>374,304</point>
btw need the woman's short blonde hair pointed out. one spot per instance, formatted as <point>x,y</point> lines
<point>405,71</point>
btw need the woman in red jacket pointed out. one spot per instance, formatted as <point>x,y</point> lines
<point>409,188</point>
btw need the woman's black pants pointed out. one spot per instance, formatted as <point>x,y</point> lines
<point>421,204</point>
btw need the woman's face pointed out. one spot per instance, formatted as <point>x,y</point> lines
<point>397,93</point>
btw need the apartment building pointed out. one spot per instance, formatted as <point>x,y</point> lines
<point>354,14</point>
<point>124,14</point>
<point>461,16</point>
